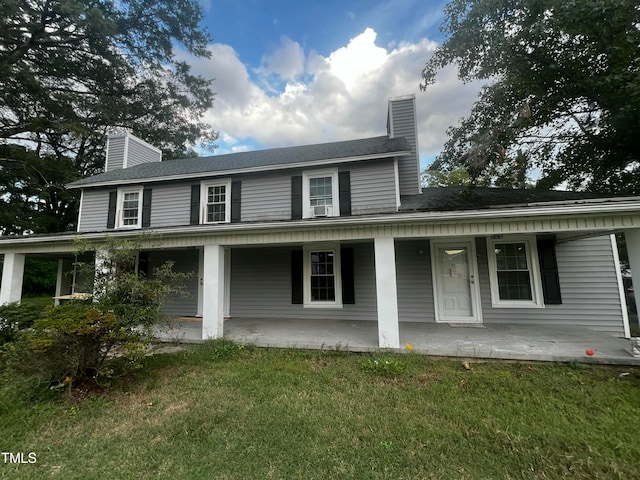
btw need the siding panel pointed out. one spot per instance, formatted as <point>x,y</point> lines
<point>590,296</point>
<point>115,153</point>
<point>261,286</point>
<point>171,205</point>
<point>415,288</point>
<point>138,152</point>
<point>373,187</point>
<point>266,197</point>
<point>186,261</point>
<point>95,208</point>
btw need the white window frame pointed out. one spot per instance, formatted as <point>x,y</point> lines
<point>537,300</point>
<point>307,211</point>
<point>120,209</point>
<point>337,269</point>
<point>204,186</point>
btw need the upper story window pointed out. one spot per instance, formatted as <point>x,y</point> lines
<point>320,194</point>
<point>129,208</point>
<point>216,201</point>
<point>514,273</point>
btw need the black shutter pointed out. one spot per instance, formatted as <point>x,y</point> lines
<point>111,215</point>
<point>296,277</point>
<point>236,197</point>
<point>143,264</point>
<point>146,207</point>
<point>296,197</point>
<point>344,189</point>
<point>549,271</point>
<point>346,269</point>
<point>195,205</point>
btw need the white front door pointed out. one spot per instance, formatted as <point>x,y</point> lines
<point>455,287</point>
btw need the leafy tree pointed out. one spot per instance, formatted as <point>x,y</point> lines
<point>562,90</point>
<point>438,178</point>
<point>73,70</point>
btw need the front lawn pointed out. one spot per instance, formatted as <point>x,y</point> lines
<point>219,411</point>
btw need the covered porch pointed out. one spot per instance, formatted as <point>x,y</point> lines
<point>507,341</point>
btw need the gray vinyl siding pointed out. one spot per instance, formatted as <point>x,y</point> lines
<point>185,261</point>
<point>373,187</point>
<point>138,152</point>
<point>170,205</point>
<point>588,284</point>
<point>266,197</point>
<point>261,286</point>
<point>115,153</point>
<point>95,206</point>
<point>403,118</point>
<point>413,276</point>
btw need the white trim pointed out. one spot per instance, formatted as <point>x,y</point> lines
<point>474,288</point>
<point>106,152</point>
<point>125,152</point>
<point>337,273</point>
<point>263,168</point>
<point>396,174</point>
<point>335,191</point>
<point>226,311</point>
<point>204,186</point>
<point>537,300</point>
<point>623,297</point>
<point>390,117</point>
<point>399,225</point>
<point>80,210</point>
<point>119,210</point>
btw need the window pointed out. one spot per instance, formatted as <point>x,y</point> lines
<point>320,194</point>
<point>216,202</point>
<point>322,282</point>
<point>130,208</point>
<point>514,273</point>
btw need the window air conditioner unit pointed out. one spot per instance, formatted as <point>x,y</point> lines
<point>321,210</point>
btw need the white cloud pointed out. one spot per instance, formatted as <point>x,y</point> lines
<point>287,61</point>
<point>321,99</point>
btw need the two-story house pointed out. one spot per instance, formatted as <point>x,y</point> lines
<point>344,231</point>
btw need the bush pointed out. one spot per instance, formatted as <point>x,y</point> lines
<point>104,337</point>
<point>71,343</point>
<point>15,317</point>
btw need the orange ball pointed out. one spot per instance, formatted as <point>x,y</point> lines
<point>589,352</point>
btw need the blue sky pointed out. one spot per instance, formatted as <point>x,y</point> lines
<point>299,72</point>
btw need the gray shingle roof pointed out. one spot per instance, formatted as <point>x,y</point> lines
<point>383,146</point>
<point>462,198</point>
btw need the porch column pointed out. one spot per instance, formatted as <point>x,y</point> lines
<point>213,286</point>
<point>633,249</point>
<point>12,275</point>
<point>386,292</point>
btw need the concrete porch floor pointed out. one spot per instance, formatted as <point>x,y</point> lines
<point>492,341</point>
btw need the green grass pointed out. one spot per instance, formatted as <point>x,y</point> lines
<point>219,411</point>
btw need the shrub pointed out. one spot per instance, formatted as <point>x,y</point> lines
<point>71,343</point>
<point>15,317</point>
<point>105,336</point>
